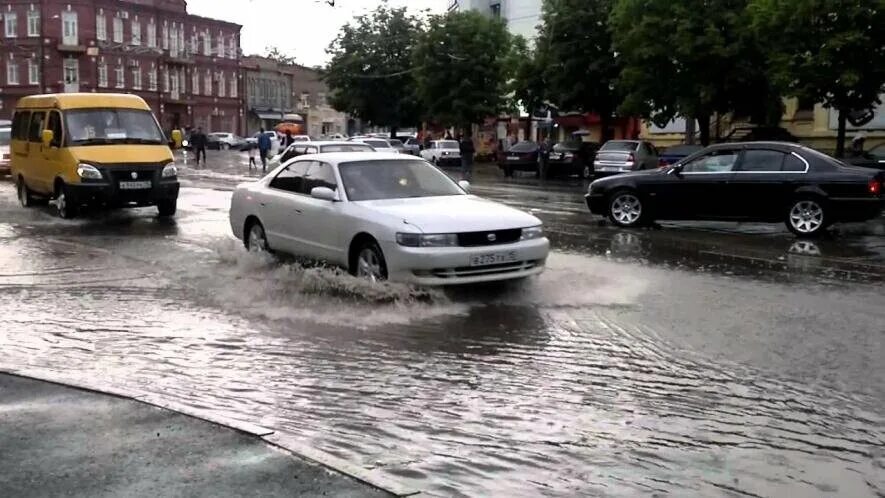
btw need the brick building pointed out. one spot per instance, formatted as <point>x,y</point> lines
<point>186,67</point>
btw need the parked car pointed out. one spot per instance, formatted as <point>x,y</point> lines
<point>572,158</point>
<point>443,153</point>
<point>873,158</point>
<point>398,145</point>
<point>411,145</point>
<point>522,156</point>
<point>621,156</point>
<point>676,153</point>
<point>389,216</point>
<point>303,148</point>
<point>379,144</point>
<point>756,181</point>
<point>225,141</point>
<point>5,137</point>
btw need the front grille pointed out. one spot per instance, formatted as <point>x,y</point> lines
<point>476,271</point>
<point>489,238</point>
<point>125,174</point>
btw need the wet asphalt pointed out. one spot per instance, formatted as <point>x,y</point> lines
<point>694,359</point>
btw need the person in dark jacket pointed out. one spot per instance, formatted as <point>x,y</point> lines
<point>465,144</point>
<point>287,140</point>
<point>263,148</point>
<point>199,141</point>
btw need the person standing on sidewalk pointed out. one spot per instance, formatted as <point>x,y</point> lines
<point>263,148</point>
<point>199,141</point>
<point>465,144</point>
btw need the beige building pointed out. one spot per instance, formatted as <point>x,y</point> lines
<point>311,101</point>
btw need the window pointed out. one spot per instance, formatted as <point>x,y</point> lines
<point>495,10</point>
<point>232,47</point>
<point>101,27</point>
<point>33,72</point>
<point>119,76</point>
<point>720,161</point>
<point>173,41</point>
<point>11,24</point>
<point>793,163</point>
<point>384,179</point>
<point>321,99</point>
<point>291,179</point>
<point>165,40</point>
<point>207,43</point>
<point>762,160</point>
<point>320,175</point>
<point>207,84</point>
<point>36,129</point>
<point>194,44</point>
<point>305,100</point>
<point>180,36</point>
<point>152,35</point>
<point>102,74</point>
<point>136,33</point>
<point>33,23</point>
<point>222,85</point>
<point>20,125</point>
<point>11,72</point>
<point>220,44</point>
<point>152,79</point>
<point>118,30</point>
<point>165,80</point>
<point>233,87</point>
<point>55,125</point>
<point>620,146</point>
<point>195,82</point>
<point>70,35</point>
<point>136,78</point>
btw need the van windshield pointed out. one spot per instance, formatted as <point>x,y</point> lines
<point>112,126</point>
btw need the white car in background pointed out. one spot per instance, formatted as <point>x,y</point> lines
<point>443,153</point>
<point>387,216</point>
<point>379,144</point>
<point>226,140</point>
<point>5,137</point>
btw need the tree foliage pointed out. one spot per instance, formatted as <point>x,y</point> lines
<point>828,51</point>
<point>370,75</point>
<point>275,54</point>
<point>461,68</point>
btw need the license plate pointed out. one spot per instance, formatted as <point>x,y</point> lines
<point>135,185</point>
<point>494,258</point>
<point>608,168</point>
<point>513,158</point>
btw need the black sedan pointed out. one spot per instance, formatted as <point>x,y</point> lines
<point>523,156</point>
<point>754,181</point>
<point>572,158</point>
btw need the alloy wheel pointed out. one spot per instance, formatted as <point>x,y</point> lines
<point>626,209</point>
<point>257,239</point>
<point>806,216</point>
<point>368,265</point>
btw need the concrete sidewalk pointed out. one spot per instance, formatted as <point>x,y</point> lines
<point>62,441</point>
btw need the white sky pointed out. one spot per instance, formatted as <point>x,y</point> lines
<point>302,28</point>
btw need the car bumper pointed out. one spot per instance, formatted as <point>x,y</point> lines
<point>521,165</point>
<point>596,203</point>
<point>110,194</point>
<point>451,265</point>
<point>449,161</point>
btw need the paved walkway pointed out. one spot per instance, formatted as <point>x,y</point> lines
<point>61,441</point>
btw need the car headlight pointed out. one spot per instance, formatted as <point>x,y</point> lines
<point>532,233</point>
<point>427,240</point>
<point>88,172</point>
<point>170,171</point>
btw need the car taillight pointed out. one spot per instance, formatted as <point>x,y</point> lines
<point>875,187</point>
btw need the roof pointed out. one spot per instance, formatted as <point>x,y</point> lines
<point>784,145</point>
<point>349,157</point>
<point>83,101</point>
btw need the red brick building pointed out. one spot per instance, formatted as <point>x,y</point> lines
<point>186,67</point>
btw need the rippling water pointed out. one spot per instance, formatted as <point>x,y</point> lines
<point>548,387</point>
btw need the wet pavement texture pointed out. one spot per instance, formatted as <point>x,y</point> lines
<point>692,358</point>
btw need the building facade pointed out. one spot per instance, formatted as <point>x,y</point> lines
<point>312,101</point>
<point>186,67</point>
<point>522,16</point>
<point>269,96</point>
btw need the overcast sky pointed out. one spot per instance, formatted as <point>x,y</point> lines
<point>303,28</point>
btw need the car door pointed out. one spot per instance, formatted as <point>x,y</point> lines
<point>321,219</point>
<point>697,191</point>
<point>281,205</point>
<point>52,154</point>
<point>36,159</point>
<point>760,186</point>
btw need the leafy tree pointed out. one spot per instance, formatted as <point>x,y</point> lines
<point>575,45</point>
<point>370,75</point>
<point>462,68</point>
<point>275,54</point>
<point>828,51</point>
<point>690,58</point>
<point>528,87</point>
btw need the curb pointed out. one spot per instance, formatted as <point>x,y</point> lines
<point>268,436</point>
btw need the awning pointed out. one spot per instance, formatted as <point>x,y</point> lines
<point>292,117</point>
<point>275,116</point>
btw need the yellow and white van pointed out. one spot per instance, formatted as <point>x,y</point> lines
<point>96,149</point>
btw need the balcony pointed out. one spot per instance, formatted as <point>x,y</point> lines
<point>178,58</point>
<point>71,47</point>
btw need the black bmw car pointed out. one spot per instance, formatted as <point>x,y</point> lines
<point>753,181</point>
<point>523,156</point>
<point>572,158</point>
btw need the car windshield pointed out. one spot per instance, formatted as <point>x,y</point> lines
<point>4,136</point>
<point>378,144</point>
<point>347,148</point>
<point>524,147</point>
<point>112,126</point>
<point>448,144</point>
<point>392,179</point>
<point>395,143</point>
<point>620,146</point>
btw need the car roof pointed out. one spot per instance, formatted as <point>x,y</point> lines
<point>328,142</point>
<point>770,144</point>
<point>83,101</point>
<point>336,158</point>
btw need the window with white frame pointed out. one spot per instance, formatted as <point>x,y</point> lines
<point>220,44</point>
<point>152,34</point>
<point>232,47</point>
<point>195,82</point>
<point>152,79</point>
<point>119,76</point>
<point>165,40</point>
<point>10,23</point>
<point>222,85</point>
<point>195,44</point>
<point>207,84</point>
<point>181,46</point>
<point>182,81</point>
<point>33,22</point>
<point>33,71</point>
<point>136,33</point>
<point>136,78</point>
<point>11,71</point>
<point>70,28</point>
<point>118,30</point>
<point>175,86</point>
<point>173,41</point>
<point>101,27</point>
<point>165,79</point>
<point>102,74</point>
<point>233,87</point>
<point>207,43</point>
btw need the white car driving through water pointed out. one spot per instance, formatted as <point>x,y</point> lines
<point>387,216</point>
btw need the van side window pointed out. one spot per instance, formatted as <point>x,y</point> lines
<point>55,125</point>
<point>36,128</point>
<point>20,125</point>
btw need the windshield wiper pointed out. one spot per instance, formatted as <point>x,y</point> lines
<point>145,141</point>
<point>94,141</point>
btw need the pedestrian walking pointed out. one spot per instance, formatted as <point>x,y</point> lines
<point>250,149</point>
<point>287,140</point>
<point>465,144</point>
<point>199,141</point>
<point>263,148</point>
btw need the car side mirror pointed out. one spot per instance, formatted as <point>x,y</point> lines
<point>47,137</point>
<point>323,193</point>
<point>464,184</point>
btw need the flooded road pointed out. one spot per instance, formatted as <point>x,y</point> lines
<point>694,359</point>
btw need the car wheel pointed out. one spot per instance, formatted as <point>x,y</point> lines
<point>225,146</point>
<point>24,194</point>
<point>625,209</point>
<point>806,217</point>
<point>370,263</point>
<point>63,203</point>
<point>256,239</point>
<point>167,207</point>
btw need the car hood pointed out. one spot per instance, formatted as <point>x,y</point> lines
<point>123,153</point>
<point>452,213</point>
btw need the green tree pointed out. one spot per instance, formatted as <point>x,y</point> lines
<point>575,45</point>
<point>690,58</point>
<point>462,68</point>
<point>828,51</point>
<point>275,54</point>
<point>370,75</point>
<point>527,87</point>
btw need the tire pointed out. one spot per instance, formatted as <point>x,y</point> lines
<point>167,207</point>
<point>625,209</point>
<point>807,216</point>
<point>255,238</point>
<point>370,263</point>
<point>25,198</point>
<point>225,146</point>
<point>65,209</point>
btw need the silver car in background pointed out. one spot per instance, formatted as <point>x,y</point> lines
<point>622,156</point>
<point>5,137</point>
